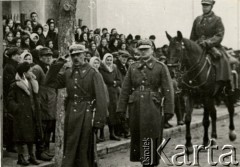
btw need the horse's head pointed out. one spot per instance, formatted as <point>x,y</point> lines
<point>175,49</point>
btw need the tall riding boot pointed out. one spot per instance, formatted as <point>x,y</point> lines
<point>101,137</point>
<point>22,160</point>
<point>32,159</point>
<point>112,133</point>
<point>98,139</point>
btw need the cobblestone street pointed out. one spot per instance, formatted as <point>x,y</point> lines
<point>121,159</point>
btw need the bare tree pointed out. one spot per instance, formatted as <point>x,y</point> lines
<point>66,22</point>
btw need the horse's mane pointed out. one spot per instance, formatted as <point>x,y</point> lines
<point>192,46</point>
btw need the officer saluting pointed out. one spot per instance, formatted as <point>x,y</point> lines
<point>85,90</point>
<point>146,83</point>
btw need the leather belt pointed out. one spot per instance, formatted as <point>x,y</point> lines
<point>80,99</point>
<point>143,88</point>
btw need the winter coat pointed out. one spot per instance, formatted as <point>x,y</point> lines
<point>85,90</point>
<point>9,73</point>
<point>122,69</point>
<point>145,84</point>
<point>113,91</point>
<point>47,95</point>
<point>211,29</point>
<point>24,106</point>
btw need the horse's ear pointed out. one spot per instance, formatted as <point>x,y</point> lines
<point>179,36</point>
<point>168,36</point>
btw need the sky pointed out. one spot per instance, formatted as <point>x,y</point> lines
<point>157,16</point>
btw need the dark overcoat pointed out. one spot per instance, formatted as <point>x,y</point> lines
<point>211,29</point>
<point>109,78</point>
<point>85,87</point>
<point>25,110</point>
<point>145,84</point>
<point>47,95</point>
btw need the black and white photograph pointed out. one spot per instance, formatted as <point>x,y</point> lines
<point>119,83</point>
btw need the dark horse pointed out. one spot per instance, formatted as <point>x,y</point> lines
<point>197,74</point>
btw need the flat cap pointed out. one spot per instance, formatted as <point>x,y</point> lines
<point>123,53</point>
<point>45,52</point>
<point>77,48</point>
<point>144,44</point>
<point>208,2</point>
<point>13,51</point>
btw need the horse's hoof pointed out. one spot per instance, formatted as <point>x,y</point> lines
<point>206,143</point>
<point>232,135</point>
<point>213,142</point>
<point>189,150</point>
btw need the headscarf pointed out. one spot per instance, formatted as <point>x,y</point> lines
<point>110,68</point>
<point>24,54</point>
<point>91,62</point>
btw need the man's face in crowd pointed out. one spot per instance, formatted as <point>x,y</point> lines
<point>78,58</point>
<point>16,58</point>
<point>34,17</point>
<point>123,59</point>
<point>145,53</point>
<point>46,59</point>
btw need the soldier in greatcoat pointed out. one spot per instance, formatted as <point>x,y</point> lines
<point>208,31</point>
<point>146,85</point>
<point>85,93</point>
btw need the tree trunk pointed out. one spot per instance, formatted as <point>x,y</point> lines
<point>1,84</point>
<point>66,21</point>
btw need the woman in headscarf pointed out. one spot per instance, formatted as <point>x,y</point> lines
<point>111,77</point>
<point>24,105</point>
<point>95,63</point>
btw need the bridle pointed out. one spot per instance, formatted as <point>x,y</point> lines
<point>184,73</point>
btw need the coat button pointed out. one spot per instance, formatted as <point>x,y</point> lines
<point>75,95</point>
<point>75,103</point>
<point>76,72</point>
<point>75,87</point>
<point>87,110</point>
<point>145,66</point>
<point>143,81</point>
<point>74,110</point>
<point>142,96</point>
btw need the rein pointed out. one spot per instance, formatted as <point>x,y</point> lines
<point>193,67</point>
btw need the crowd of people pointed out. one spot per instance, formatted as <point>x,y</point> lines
<point>30,105</point>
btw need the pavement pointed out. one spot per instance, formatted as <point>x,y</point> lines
<point>109,146</point>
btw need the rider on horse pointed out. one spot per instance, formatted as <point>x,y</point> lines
<point>208,31</point>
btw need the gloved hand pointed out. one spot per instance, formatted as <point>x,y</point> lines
<point>203,43</point>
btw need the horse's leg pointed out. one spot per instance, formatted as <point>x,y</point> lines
<point>188,103</point>
<point>206,121</point>
<point>213,115</point>
<point>229,101</point>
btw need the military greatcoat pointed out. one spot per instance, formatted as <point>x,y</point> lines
<point>211,29</point>
<point>85,87</point>
<point>144,87</point>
